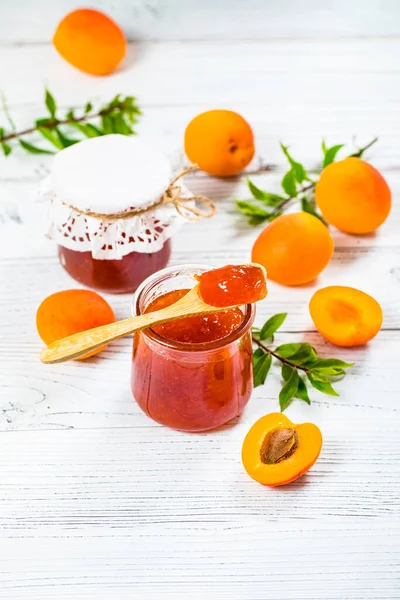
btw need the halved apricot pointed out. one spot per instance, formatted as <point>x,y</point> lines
<point>276,451</point>
<point>345,316</point>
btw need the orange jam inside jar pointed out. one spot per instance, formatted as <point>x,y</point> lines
<point>195,373</point>
<point>113,276</point>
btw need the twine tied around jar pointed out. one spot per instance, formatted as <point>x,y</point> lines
<point>172,195</point>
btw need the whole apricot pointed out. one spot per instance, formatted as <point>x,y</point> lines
<point>220,142</point>
<point>353,196</point>
<point>90,41</point>
<point>276,451</point>
<point>294,248</point>
<point>345,316</point>
<point>71,311</point>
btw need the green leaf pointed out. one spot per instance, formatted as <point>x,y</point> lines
<point>324,147</point>
<point>309,208</point>
<point>6,148</point>
<point>51,137</point>
<point>266,197</point>
<point>257,354</point>
<point>332,362</point>
<point>272,325</point>
<point>286,372</point>
<point>289,389</point>
<point>50,103</point>
<point>251,209</point>
<point>287,350</point>
<point>87,129</point>
<point>328,372</point>
<point>107,123</point>
<point>44,121</point>
<point>261,369</point>
<point>330,154</point>
<point>299,171</point>
<point>254,220</point>
<point>119,124</point>
<point>289,183</point>
<point>6,112</point>
<point>33,149</point>
<point>88,108</point>
<point>302,392</point>
<point>65,141</point>
<point>305,353</point>
<point>321,384</point>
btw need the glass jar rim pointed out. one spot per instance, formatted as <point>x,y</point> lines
<point>248,315</point>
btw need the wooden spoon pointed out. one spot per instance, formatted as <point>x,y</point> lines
<point>83,342</point>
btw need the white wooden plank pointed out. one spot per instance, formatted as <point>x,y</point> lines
<point>296,561</point>
<point>188,19</point>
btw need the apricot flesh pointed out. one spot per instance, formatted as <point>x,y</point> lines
<point>345,316</point>
<point>276,451</point>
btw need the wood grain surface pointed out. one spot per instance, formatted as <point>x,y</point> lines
<point>96,500</point>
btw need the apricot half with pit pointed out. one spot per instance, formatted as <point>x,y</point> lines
<point>276,451</point>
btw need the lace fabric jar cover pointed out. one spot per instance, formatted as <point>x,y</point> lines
<point>95,189</point>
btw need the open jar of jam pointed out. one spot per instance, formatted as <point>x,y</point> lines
<point>110,212</point>
<point>195,373</point>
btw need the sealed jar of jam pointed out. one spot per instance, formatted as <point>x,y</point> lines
<point>113,211</point>
<point>193,374</point>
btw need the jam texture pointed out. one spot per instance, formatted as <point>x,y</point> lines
<point>113,276</point>
<point>233,285</point>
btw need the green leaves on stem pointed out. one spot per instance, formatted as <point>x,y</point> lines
<point>296,185</point>
<point>117,116</point>
<point>301,365</point>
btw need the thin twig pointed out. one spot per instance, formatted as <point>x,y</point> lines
<point>302,190</point>
<point>361,151</point>
<point>283,360</point>
<point>56,122</point>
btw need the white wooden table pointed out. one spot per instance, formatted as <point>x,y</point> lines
<point>96,500</point>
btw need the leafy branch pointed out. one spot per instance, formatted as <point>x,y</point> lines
<point>297,359</point>
<point>296,184</point>
<point>117,116</point>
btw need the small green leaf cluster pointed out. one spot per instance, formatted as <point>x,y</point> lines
<point>301,365</point>
<point>296,185</point>
<point>117,116</point>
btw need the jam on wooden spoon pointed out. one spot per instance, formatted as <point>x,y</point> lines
<point>233,285</point>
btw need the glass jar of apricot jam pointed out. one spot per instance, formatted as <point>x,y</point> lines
<point>108,213</point>
<point>195,373</point>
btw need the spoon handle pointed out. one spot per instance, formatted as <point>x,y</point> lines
<point>81,343</point>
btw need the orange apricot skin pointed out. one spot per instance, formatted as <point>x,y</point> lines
<point>353,196</point>
<point>71,311</point>
<point>294,248</point>
<point>290,469</point>
<point>90,41</point>
<point>220,142</point>
<point>345,316</point>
